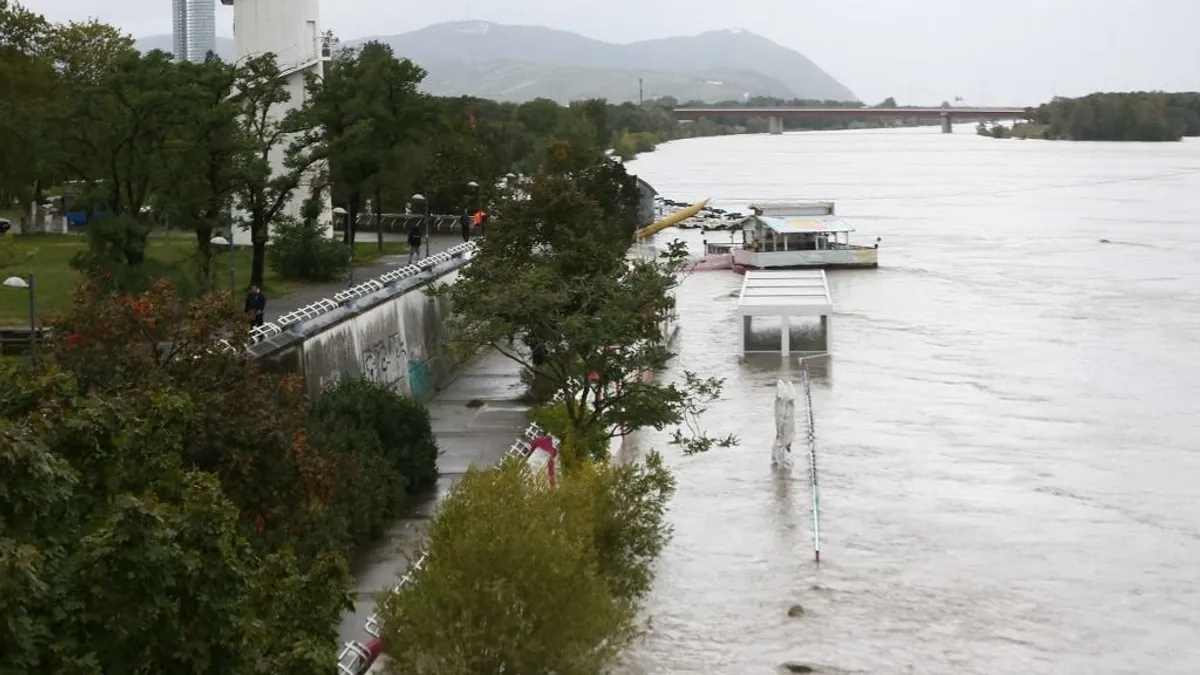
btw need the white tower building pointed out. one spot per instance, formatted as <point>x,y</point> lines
<point>290,29</point>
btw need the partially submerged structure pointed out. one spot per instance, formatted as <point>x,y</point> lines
<point>785,295</point>
<point>796,235</point>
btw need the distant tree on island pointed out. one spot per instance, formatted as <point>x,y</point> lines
<point>1119,116</point>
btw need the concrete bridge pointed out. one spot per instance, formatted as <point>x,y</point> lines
<point>776,115</point>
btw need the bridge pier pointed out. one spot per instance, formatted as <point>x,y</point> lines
<point>947,123</point>
<point>775,125</point>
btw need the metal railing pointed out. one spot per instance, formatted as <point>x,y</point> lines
<point>325,305</point>
<point>400,222</point>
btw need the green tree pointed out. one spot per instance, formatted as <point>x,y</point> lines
<point>246,426</point>
<point>202,159</point>
<point>263,193</point>
<point>366,104</point>
<point>555,282</point>
<point>520,578</point>
<point>388,449</point>
<point>118,559</point>
<point>30,85</point>
<point>113,135</point>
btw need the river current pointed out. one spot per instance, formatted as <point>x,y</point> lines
<point>1008,429</point>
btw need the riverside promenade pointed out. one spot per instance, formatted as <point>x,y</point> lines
<point>476,418</point>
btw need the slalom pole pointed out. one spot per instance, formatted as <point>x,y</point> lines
<point>812,465</point>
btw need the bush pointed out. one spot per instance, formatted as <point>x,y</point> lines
<point>386,450</point>
<point>300,250</point>
<point>573,445</point>
<point>525,579</point>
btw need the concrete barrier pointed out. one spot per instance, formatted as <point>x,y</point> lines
<point>388,329</point>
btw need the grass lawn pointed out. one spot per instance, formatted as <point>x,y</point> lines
<point>55,280</point>
<point>368,253</point>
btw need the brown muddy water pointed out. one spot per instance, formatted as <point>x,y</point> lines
<point>1008,429</point>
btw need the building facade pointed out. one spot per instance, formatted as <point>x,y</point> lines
<point>195,26</point>
<point>289,29</point>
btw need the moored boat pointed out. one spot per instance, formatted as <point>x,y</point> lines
<point>796,235</point>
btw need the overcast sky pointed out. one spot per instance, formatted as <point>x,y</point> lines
<point>1015,52</point>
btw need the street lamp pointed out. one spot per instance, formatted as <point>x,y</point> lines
<point>222,241</point>
<point>20,282</point>
<point>344,215</point>
<point>425,218</point>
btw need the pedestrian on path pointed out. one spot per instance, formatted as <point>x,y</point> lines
<point>464,222</point>
<point>414,242</point>
<point>256,306</point>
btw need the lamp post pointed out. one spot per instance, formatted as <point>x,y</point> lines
<point>424,218</point>
<point>27,284</point>
<point>222,241</point>
<point>345,216</point>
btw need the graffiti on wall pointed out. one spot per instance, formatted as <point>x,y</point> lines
<point>384,361</point>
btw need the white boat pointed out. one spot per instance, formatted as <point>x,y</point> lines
<point>795,235</point>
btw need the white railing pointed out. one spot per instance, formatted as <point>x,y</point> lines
<point>325,305</point>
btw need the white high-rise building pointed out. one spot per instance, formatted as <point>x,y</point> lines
<point>195,26</point>
<point>290,29</point>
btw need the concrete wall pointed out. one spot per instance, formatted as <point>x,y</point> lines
<point>388,329</point>
<point>646,207</point>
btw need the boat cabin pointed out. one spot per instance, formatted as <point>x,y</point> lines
<point>803,226</point>
<point>799,235</point>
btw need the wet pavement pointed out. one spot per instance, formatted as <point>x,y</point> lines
<point>475,418</point>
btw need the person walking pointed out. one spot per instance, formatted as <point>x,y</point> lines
<point>256,306</point>
<point>414,242</point>
<point>464,222</point>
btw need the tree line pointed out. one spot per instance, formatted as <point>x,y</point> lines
<point>1121,116</point>
<point>166,505</point>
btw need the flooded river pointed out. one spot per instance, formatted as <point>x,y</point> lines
<point>1008,430</point>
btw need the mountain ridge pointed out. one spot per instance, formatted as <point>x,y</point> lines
<point>518,63</point>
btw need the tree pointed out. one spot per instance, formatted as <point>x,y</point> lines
<point>116,558</point>
<point>555,283</point>
<point>261,192</point>
<point>202,159</point>
<point>388,449</point>
<point>366,104</point>
<point>28,80</point>
<point>246,426</point>
<point>524,579</point>
<point>113,137</point>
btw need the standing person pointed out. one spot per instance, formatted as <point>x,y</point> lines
<point>414,241</point>
<point>464,222</point>
<point>483,219</point>
<point>256,305</point>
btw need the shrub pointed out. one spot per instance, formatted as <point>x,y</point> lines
<point>573,446</point>
<point>300,250</point>
<point>525,579</point>
<point>386,450</point>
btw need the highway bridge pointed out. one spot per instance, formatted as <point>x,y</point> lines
<point>776,115</point>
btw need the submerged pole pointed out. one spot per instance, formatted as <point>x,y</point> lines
<point>812,464</point>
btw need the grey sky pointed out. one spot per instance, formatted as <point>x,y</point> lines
<point>1010,52</point>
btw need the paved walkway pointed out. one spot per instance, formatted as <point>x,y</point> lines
<point>466,436</point>
<point>308,294</point>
